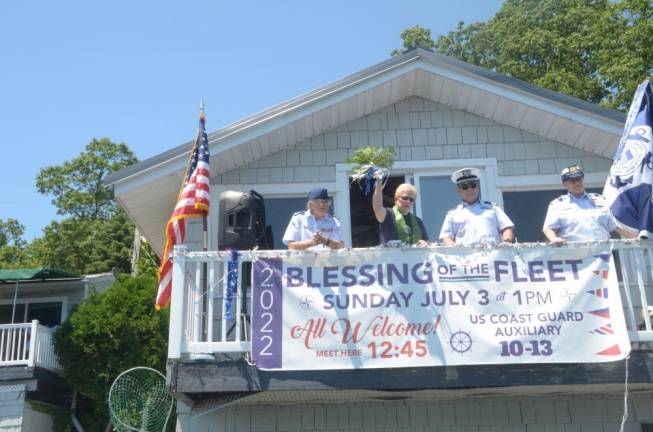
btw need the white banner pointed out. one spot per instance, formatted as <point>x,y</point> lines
<point>383,308</point>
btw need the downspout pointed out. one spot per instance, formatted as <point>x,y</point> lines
<point>13,309</point>
<point>73,406</point>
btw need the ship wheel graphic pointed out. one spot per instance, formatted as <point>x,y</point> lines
<point>461,342</point>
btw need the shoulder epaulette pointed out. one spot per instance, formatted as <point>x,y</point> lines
<point>298,213</point>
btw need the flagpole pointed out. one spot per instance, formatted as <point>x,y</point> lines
<point>205,286</point>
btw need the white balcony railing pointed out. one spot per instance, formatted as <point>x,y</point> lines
<point>197,325</point>
<point>28,344</point>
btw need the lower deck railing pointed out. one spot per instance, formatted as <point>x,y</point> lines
<point>198,325</point>
<point>28,344</point>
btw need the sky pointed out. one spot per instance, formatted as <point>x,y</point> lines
<point>135,71</point>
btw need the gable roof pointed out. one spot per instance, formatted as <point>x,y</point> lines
<point>148,189</point>
<point>574,105</point>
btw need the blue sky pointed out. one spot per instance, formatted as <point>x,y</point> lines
<point>135,71</point>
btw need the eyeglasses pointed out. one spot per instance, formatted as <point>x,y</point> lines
<point>322,201</point>
<point>465,186</point>
<point>407,198</point>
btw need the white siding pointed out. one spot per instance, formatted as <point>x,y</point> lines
<point>498,414</point>
<point>418,129</point>
<point>12,402</point>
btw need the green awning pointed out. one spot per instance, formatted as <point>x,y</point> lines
<point>34,274</point>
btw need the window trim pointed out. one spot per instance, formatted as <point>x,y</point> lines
<point>271,190</point>
<point>26,301</point>
<point>413,169</point>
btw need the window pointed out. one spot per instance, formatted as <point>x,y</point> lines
<point>528,209</point>
<point>6,313</point>
<point>364,226</point>
<point>278,212</point>
<point>48,313</point>
<point>437,195</point>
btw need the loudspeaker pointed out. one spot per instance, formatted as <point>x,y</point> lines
<point>242,222</point>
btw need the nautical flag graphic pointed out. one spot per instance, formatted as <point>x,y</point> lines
<point>612,351</point>
<point>602,273</point>
<point>604,330</point>
<point>601,292</point>
<point>604,257</point>
<point>628,187</point>
<point>603,313</point>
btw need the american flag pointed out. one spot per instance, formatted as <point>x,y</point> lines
<point>193,201</point>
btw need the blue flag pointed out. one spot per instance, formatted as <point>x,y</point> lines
<point>628,187</point>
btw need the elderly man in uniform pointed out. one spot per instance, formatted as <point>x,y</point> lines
<point>398,222</point>
<point>474,221</point>
<point>314,228</point>
<point>578,216</point>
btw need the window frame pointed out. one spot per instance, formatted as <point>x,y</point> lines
<point>27,301</point>
<point>413,170</point>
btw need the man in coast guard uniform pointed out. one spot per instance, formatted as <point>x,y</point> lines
<point>474,221</point>
<point>578,216</point>
<point>314,228</point>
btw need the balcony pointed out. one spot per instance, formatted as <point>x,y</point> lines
<point>210,355</point>
<point>28,344</point>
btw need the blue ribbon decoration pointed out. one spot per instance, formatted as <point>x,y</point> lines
<point>369,179</point>
<point>232,285</point>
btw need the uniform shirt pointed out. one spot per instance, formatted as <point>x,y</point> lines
<point>303,226</point>
<point>481,222</point>
<point>580,219</point>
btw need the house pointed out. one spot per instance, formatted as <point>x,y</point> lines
<point>440,114</point>
<point>32,303</point>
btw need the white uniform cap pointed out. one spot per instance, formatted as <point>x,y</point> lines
<point>571,172</point>
<point>466,174</point>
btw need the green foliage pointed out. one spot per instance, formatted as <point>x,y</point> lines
<point>86,246</point>
<point>108,334</point>
<point>415,36</point>
<point>627,54</point>
<point>596,50</point>
<point>13,249</point>
<point>97,237</point>
<point>148,262</point>
<point>77,184</point>
<point>382,157</point>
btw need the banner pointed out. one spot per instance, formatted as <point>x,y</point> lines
<point>385,308</point>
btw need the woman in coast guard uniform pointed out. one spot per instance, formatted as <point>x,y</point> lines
<point>474,221</point>
<point>578,215</point>
<point>314,228</point>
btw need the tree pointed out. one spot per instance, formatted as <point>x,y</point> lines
<point>97,236</point>
<point>596,50</point>
<point>13,253</point>
<point>86,246</point>
<point>77,184</point>
<point>108,334</point>
<point>415,36</point>
<point>627,54</point>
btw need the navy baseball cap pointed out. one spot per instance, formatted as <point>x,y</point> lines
<point>572,172</point>
<point>318,193</point>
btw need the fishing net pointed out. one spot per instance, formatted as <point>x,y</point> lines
<point>138,401</point>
